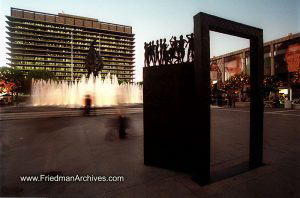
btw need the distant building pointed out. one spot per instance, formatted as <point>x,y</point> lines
<point>60,43</point>
<point>281,56</point>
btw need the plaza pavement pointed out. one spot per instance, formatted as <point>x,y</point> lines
<point>90,145</point>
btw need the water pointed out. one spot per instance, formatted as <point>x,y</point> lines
<point>105,92</point>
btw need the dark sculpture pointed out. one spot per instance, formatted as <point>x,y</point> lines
<point>177,121</point>
<point>93,61</point>
<point>160,54</point>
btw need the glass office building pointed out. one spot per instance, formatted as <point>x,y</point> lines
<point>60,43</point>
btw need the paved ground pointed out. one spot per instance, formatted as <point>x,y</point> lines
<point>58,113</point>
<point>89,145</point>
<point>28,112</point>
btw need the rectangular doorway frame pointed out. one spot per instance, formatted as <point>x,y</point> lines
<point>203,23</point>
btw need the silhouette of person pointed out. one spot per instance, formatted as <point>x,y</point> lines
<point>229,99</point>
<point>277,101</point>
<point>122,126</point>
<point>164,52</point>
<point>160,52</point>
<point>146,55</point>
<point>173,49</point>
<point>152,53</point>
<point>219,99</point>
<point>123,122</point>
<point>157,60</point>
<point>233,98</point>
<point>190,54</point>
<point>88,104</point>
<point>181,49</point>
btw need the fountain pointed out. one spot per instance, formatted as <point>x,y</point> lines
<point>104,92</point>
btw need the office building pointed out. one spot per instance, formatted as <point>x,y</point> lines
<point>60,43</point>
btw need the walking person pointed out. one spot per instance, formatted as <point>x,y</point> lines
<point>123,122</point>
<point>122,126</point>
<point>233,100</point>
<point>229,99</point>
<point>88,104</point>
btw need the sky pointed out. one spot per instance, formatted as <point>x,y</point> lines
<point>155,19</point>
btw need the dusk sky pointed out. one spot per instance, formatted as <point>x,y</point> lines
<point>155,19</point>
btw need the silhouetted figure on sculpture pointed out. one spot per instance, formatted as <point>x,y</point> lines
<point>157,59</point>
<point>190,55</point>
<point>164,59</point>
<point>151,52</point>
<point>93,61</point>
<point>169,56</point>
<point>146,55</point>
<point>174,50</point>
<point>160,52</point>
<point>181,49</point>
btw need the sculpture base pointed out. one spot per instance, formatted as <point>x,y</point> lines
<point>170,122</point>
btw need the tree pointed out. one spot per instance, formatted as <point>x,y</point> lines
<point>122,81</point>
<point>12,77</point>
<point>140,83</point>
<point>12,81</point>
<point>236,82</point>
<point>271,84</point>
<point>296,78</point>
<point>21,83</point>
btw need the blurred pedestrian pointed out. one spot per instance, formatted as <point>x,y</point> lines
<point>229,99</point>
<point>87,103</point>
<point>233,100</point>
<point>220,100</point>
<point>112,130</point>
<point>122,126</point>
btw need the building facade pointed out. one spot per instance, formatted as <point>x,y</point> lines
<point>60,43</point>
<point>281,59</point>
<point>281,56</point>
